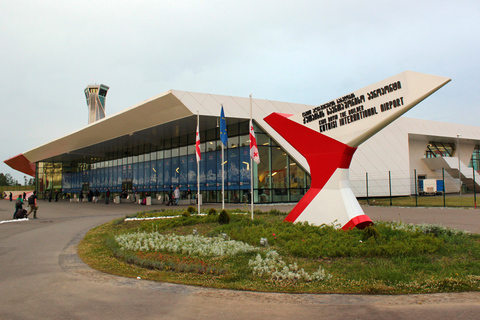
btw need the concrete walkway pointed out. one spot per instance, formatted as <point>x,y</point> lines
<point>41,277</point>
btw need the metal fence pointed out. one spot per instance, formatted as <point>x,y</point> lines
<point>401,188</point>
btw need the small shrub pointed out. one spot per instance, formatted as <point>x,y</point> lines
<point>276,212</point>
<point>186,213</point>
<point>370,232</point>
<point>212,212</point>
<point>224,217</point>
<point>191,209</point>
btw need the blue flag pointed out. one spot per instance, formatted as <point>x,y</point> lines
<point>223,129</point>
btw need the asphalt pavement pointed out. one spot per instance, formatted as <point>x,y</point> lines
<point>41,276</point>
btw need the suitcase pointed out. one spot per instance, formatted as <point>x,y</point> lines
<point>21,214</point>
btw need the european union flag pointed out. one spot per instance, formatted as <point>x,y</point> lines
<point>223,129</point>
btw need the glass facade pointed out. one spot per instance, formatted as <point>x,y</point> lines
<point>439,149</point>
<point>475,160</point>
<point>172,162</point>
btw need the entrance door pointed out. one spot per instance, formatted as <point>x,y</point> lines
<point>127,185</point>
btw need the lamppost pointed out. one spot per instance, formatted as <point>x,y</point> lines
<point>458,155</point>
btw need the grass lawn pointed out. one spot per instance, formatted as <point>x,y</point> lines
<point>389,258</point>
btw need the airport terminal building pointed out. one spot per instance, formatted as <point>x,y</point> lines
<point>151,147</point>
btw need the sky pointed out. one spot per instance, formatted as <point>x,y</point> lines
<point>303,51</point>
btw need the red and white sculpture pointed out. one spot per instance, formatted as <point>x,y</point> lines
<point>328,135</point>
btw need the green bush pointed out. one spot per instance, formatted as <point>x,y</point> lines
<point>370,232</point>
<point>186,213</point>
<point>212,212</point>
<point>224,217</point>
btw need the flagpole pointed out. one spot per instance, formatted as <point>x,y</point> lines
<point>223,179</point>
<point>251,162</point>
<point>224,142</point>
<point>198,164</point>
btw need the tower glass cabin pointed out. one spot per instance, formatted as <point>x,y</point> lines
<point>95,96</point>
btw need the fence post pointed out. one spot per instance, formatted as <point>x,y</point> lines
<point>390,186</point>
<point>444,189</point>
<point>366,180</point>
<point>474,191</point>
<point>416,186</point>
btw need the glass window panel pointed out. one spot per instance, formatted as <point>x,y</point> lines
<point>211,134</point>
<point>232,130</point>
<point>147,174</point>
<point>175,173</point>
<point>233,165</point>
<point>232,142</point>
<point>244,164</point>
<point>279,168</point>
<point>183,151</point>
<point>211,170</point>
<point>192,170</point>
<point>183,173</point>
<point>175,142</point>
<point>244,128</point>
<point>167,175</point>
<point>153,174</point>
<point>244,140</point>
<point>263,168</point>
<point>192,138</point>
<point>211,145</point>
<point>262,139</point>
<point>183,140</point>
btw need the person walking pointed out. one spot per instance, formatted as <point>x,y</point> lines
<point>18,205</point>
<point>107,196</point>
<point>32,204</point>
<point>11,196</point>
<point>169,196</point>
<point>135,194</point>
<point>176,195</point>
<point>96,195</point>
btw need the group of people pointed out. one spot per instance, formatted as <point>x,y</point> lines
<point>173,196</point>
<point>20,213</point>
<point>95,196</point>
<point>51,195</point>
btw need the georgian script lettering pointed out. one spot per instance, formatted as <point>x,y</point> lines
<point>350,108</point>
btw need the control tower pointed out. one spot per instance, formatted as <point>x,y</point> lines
<point>95,95</point>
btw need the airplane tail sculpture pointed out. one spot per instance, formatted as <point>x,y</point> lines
<point>328,135</point>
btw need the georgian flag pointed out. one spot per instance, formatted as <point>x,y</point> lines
<point>197,146</point>
<point>253,145</point>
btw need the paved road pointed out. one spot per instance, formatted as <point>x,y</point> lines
<point>41,277</point>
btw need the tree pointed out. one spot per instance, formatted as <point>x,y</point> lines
<point>7,180</point>
<point>3,180</point>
